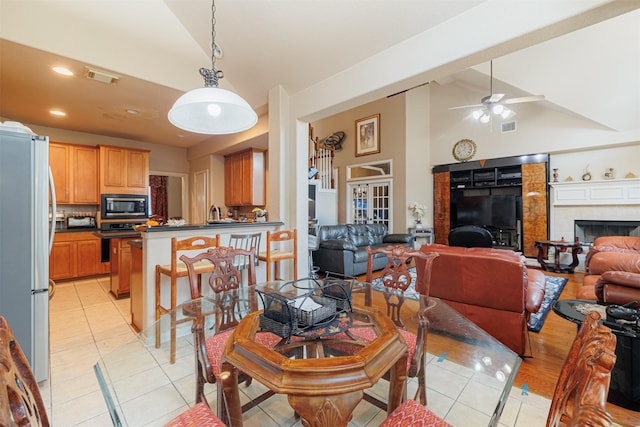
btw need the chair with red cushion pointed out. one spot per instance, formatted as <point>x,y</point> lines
<point>396,279</point>
<point>199,415</point>
<point>413,414</point>
<point>225,282</point>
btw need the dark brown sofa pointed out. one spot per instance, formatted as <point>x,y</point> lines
<point>491,287</point>
<point>612,271</point>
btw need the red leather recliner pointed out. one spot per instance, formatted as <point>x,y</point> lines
<point>612,271</point>
<point>491,287</point>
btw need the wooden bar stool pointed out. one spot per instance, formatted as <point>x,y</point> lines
<point>175,270</point>
<point>277,254</point>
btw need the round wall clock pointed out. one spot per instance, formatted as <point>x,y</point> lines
<point>464,150</point>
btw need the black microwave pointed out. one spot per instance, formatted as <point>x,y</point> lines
<point>124,206</point>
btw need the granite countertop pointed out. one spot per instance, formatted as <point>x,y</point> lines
<point>217,224</point>
<point>75,230</point>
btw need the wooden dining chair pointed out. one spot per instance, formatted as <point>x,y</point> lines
<point>175,270</point>
<point>581,390</point>
<point>396,279</point>
<point>225,284</point>
<point>274,253</point>
<point>21,403</point>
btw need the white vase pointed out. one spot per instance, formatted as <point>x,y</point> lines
<point>418,224</point>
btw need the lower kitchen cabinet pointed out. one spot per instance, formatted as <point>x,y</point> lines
<point>120,267</point>
<point>76,255</point>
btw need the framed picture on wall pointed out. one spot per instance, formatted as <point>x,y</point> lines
<point>368,135</point>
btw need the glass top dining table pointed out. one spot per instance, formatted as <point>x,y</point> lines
<point>141,387</point>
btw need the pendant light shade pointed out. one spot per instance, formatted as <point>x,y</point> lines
<point>211,110</point>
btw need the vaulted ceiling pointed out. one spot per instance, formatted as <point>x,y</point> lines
<point>157,46</point>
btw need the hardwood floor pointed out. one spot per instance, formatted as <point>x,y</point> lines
<point>550,347</point>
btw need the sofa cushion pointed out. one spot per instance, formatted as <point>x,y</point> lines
<point>339,245</point>
<point>398,238</point>
<point>359,235</point>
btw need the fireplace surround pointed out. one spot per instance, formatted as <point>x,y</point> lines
<point>610,207</point>
<point>586,231</point>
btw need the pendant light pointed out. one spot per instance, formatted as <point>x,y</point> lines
<point>212,110</point>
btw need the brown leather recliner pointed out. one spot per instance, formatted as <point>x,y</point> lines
<point>612,271</point>
<point>491,287</point>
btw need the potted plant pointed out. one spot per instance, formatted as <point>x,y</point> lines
<point>260,214</point>
<point>418,210</point>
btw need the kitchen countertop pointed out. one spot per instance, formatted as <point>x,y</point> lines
<point>164,228</point>
<point>75,230</point>
<point>217,224</point>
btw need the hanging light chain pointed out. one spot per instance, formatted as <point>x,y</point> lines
<point>211,76</point>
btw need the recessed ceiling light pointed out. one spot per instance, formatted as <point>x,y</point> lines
<point>58,113</point>
<point>63,71</point>
<point>132,111</point>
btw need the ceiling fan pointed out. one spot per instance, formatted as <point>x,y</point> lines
<point>495,103</point>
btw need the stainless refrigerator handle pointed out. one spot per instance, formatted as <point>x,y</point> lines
<point>54,209</point>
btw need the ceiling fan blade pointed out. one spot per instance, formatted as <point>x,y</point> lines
<point>524,99</point>
<point>466,106</point>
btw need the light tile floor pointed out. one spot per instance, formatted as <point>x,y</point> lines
<point>87,322</point>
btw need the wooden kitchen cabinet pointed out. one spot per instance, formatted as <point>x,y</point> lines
<point>75,173</point>
<point>120,267</point>
<point>123,170</point>
<point>76,255</point>
<point>244,176</point>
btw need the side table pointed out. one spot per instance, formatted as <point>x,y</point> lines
<point>425,234</point>
<point>624,389</point>
<point>558,246</point>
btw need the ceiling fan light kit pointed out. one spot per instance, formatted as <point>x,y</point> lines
<point>211,110</point>
<point>494,104</point>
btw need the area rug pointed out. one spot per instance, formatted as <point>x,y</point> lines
<point>554,287</point>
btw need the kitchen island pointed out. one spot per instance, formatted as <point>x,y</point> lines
<point>156,249</point>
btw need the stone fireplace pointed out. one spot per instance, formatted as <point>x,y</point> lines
<point>608,206</point>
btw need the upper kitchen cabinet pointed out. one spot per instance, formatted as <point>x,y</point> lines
<point>123,170</point>
<point>75,173</point>
<point>244,177</point>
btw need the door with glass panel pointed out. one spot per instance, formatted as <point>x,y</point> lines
<point>370,203</point>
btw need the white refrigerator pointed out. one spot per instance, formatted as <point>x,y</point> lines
<point>26,236</point>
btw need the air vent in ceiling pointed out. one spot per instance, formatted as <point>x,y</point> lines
<point>101,76</point>
<point>509,126</point>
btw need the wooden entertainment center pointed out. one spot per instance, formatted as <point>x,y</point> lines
<point>509,196</point>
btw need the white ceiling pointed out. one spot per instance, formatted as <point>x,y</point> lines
<point>157,47</point>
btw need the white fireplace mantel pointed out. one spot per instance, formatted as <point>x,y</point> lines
<point>603,192</point>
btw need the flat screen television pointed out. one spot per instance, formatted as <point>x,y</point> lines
<point>503,211</point>
<point>473,210</point>
<point>488,211</point>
